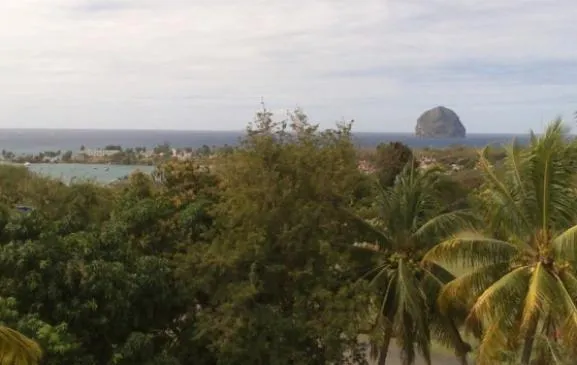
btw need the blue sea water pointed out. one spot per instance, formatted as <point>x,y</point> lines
<point>70,172</point>
<point>22,141</point>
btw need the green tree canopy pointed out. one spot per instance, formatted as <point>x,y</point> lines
<point>277,287</point>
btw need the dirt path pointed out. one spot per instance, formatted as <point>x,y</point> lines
<point>393,358</point>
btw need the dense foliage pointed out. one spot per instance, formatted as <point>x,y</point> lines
<point>390,159</point>
<point>283,252</point>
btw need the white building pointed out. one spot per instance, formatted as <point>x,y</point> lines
<point>100,152</point>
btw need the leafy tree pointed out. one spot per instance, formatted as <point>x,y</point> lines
<point>163,148</point>
<point>54,339</point>
<point>100,290</point>
<point>81,206</point>
<point>204,150</point>
<point>67,156</point>
<point>390,159</point>
<point>113,147</point>
<point>520,285</point>
<point>226,149</point>
<point>83,286</point>
<point>274,284</point>
<point>164,213</point>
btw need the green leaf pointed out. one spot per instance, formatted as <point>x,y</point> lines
<point>471,250</point>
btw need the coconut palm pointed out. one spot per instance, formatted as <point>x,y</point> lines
<point>17,349</point>
<point>411,217</point>
<point>520,283</point>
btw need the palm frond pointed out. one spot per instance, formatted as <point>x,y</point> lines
<point>566,308</point>
<point>379,347</point>
<point>515,163</point>
<point>496,301</point>
<point>565,245</point>
<point>471,250</point>
<point>411,203</point>
<point>543,290</point>
<point>447,223</point>
<point>555,353</point>
<point>374,274</point>
<point>388,301</point>
<point>499,188</point>
<point>380,235</point>
<point>494,346</point>
<point>439,273</point>
<point>465,289</point>
<point>552,171</point>
<point>445,332</point>
<point>17,349</point>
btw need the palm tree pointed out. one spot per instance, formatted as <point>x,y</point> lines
<point>411,217</point>
<point>520,285</point>
<point>17,349</point>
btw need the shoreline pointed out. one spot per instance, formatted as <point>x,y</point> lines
<point>32,163</point>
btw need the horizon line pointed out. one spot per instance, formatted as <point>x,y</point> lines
<point>230,131</point>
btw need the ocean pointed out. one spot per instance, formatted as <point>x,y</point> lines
<point>31,141</point>
<point>22,141</point>
<point>69,172</point>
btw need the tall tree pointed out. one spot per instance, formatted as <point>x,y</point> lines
<point>411,216</point>
<point>390,159</point>
<point>277,285</point>
<point>520,283</point>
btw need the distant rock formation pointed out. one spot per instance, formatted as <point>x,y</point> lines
<point>440,122</point>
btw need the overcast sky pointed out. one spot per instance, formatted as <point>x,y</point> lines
<point>502,65</point>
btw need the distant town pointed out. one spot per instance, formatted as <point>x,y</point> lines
<point>114,154</point>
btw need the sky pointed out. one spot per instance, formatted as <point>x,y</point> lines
<point>503,66</point>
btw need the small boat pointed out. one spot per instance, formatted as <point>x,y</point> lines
<point>26,163</point>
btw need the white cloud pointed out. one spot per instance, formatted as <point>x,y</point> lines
<point>203,64</point>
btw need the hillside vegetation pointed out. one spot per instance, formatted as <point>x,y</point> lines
<point>285,252</point>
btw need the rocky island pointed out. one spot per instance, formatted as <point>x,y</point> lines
<point>440,122</point>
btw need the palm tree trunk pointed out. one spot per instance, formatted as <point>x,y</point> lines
<point>462,348</point>
<point>383,351</point>
<point>529,340</point>
<point>462,357</point>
